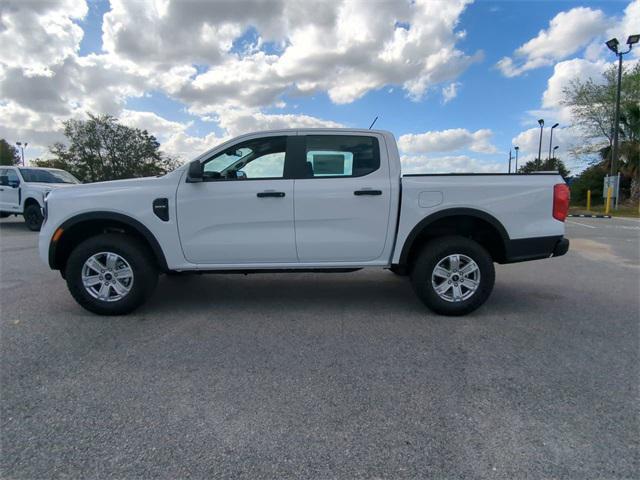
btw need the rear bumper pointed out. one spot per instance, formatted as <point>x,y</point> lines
<point>562,247</point>
<point>537,248</point>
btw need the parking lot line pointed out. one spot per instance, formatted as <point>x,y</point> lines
<point>582,224</point>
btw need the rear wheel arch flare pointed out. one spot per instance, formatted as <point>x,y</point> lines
<point>79,228</point>
<point>459,221</point>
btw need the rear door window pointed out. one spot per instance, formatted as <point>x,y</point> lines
<point>330,156</point>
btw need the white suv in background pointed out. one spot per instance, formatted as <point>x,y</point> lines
<point>22,191</point>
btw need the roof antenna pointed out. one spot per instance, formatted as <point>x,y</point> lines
<point>373,123</point>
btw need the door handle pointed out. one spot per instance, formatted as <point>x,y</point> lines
<point>270,194</point>
<point>368,192</point>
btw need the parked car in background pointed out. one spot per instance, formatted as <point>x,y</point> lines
<point>22,191</point>
<point>328,200</point>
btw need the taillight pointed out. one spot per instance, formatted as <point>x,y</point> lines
<point>561,196</point>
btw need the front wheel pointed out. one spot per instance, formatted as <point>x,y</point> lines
<point>33,217</point>
<point>453,275</point>
<point>111,274</point>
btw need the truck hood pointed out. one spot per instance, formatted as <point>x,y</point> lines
<point>107,189</point>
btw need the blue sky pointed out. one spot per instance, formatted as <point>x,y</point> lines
<point>443,87</point>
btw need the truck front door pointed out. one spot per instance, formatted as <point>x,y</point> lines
<point>242,213</point>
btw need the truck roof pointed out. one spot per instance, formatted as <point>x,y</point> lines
<point>317,129</point>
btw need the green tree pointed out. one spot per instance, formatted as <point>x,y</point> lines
<point>589,179</point>
<point>8,153</point>
<point>553,164</point>
<point>592,107</point>
<point>102,149</point>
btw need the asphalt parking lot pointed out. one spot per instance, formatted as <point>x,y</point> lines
<point>328,375</point>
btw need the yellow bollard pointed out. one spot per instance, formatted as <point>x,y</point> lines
<point>609,191</point>
<point>588,200</point>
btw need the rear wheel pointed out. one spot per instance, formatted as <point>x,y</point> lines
<point>111,274</point>
<point>4,214</point>
<point>453,275</point>
<point>33,217</point>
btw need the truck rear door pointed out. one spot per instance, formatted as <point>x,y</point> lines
<point>343,201</point>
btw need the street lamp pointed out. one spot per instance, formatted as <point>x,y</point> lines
<point>516,148</point>
<point>22,146</point>
<point>554,151</point>
<point>551,138</point>
<point>541,123</point>
<point>613,46</point>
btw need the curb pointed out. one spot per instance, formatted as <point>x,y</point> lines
<point>590,216</point>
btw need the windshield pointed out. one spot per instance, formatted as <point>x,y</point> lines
<point>47,176</point>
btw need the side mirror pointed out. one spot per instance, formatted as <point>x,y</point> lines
<point>194,173</point>
<point>4,180</point>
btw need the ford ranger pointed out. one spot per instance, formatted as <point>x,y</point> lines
<point>326,200</point>
<point>22,191</point>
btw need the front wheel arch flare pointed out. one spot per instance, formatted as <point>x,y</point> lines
<point>79,228</point>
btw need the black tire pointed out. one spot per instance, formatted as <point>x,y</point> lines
<point>439,249</point>
<point>4,214</point>
<point>143,266</point>
<point>33,217</point>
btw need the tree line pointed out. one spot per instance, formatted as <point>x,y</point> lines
<point>100,149</point>
<point>592,105</point>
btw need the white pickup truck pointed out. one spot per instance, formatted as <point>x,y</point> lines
<point>22,191</point>
<point>325,200</point>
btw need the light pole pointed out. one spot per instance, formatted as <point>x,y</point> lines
<point>554,151</point>
<point>516,148</point>
<point>509,160</point>
<point>22,146</point>
<point>551,138</point>
<point>613,46</point>
<point>541,123</point>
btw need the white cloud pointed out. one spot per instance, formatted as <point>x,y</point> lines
<point>448,164</point>
<point>565,72</point>
<point>343,48</point>
<point>237,122</point>
<point>450,92</point>
<point>156,125</point>
<point>37,35</point>
<point>629,25</point>
<point>568,32</point>
<point>447,141</point>
<point>178,143</point>
<point>225,63</point>
<point>186,147</point>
